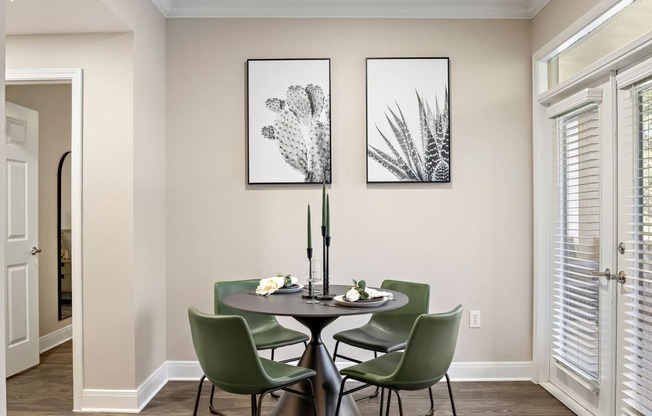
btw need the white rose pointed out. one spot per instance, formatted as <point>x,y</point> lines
<point>352,295</point>
<point>269,285</point>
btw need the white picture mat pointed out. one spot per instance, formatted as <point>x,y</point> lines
<point>271,79</point>
<point>396,81</point>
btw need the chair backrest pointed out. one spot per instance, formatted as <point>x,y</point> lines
<point>429,351</point>
<point>226,352</point>
<point>402,319</point>
<point>256,321</point>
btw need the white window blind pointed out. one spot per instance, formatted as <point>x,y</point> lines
<point>576,244</point>
<point>637,351</point>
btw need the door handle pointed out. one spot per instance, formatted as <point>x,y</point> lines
<point>35,251</point>
<point>621,277</point>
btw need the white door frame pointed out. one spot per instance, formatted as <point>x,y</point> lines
<point>542,159</point>
<point>74,77</point>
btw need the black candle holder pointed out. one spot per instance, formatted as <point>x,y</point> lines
<point>311,289</point>
<point>326,295</point>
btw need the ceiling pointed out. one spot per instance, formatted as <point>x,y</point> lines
<point>93,16</point>
<point>466,9</point>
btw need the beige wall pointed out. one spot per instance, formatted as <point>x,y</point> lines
<point>555,17</point>
<point>149,28</point>
<point>53,103</point>
<point>470,239</point>
<point>108,275</point>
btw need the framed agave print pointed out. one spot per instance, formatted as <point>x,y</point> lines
<point>408,120</point>
<point>288,121</point>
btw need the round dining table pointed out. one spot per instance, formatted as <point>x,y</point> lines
<point>315,317</point>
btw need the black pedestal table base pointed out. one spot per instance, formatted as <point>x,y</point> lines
<point>326,382</point>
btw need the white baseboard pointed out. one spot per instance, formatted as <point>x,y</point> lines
<point>184,371</point>
<point>152,385</point>
<point>133,401</point>
<point>463,371</point>
<point>53,339</point>
<point>491,371</point>
<point>125,401</point>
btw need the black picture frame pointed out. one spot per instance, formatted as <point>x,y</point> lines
<point>288,121</point>
<point>408,120</point>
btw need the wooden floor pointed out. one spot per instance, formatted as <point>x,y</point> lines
<point>47,390</point>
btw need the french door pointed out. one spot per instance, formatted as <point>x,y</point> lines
<point>634,318</point>
<point>601,287</point>
<point>583,237</point>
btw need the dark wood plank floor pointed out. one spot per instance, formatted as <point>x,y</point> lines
<point>46,390</point>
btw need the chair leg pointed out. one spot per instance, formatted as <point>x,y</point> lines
<point>400,404</point>
<point>450,393</point>
<point>254,409</point>
<point>339,396</point>
<point>314,398</point>
<point>201,383</point>
<point>260,403</point>
<point>389,400</point>
<point>337,344</point>
<point>212,408</point>
<point>382,399</point>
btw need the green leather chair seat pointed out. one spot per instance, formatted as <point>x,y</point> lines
<point>276,336</point>
<point>373,337</point>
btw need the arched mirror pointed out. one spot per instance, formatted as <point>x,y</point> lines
<point>64,224</point>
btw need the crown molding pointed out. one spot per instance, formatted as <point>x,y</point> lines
<point>164,6</point>
<point>429,9</point>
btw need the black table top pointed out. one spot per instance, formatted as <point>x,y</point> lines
<point>292,304</point>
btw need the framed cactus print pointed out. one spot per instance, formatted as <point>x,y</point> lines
<point>408,120</point>
<point>288,121</point>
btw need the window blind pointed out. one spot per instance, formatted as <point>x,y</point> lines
<point>576,244</point>
<point>636,111</point>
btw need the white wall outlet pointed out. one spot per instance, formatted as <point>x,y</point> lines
<point>474,319</point>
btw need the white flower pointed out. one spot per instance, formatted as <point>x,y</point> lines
<point>269,285</point>
<point>352,295</point>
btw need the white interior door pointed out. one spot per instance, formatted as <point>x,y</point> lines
<point>583,303</point>
<point>21,241</point>
<point>634,351</point>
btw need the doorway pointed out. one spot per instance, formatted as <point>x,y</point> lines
<point>74,79</point>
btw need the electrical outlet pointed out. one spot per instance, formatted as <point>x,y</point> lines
<point>474,319</point>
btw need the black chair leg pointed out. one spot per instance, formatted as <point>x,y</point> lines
<point>400,404</point>
<point>260,403</point>
<point>314,398</point>
<point>382,399</point>
<point>201,383</point>
<point>450,393</point>
<point>432,402</point>
<point>389,400</point>
<point>254,409</point>
<point>339,396</point>
<point>212,408</point>
<point>337,344</point>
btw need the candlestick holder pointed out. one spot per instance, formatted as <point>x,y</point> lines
<point>311,286</point>
<point>326,295</point>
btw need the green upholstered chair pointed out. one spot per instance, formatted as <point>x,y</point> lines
<point>387,331</point>
<point>425,360</point>
<point>267,332</point>
<point>229,359</point>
